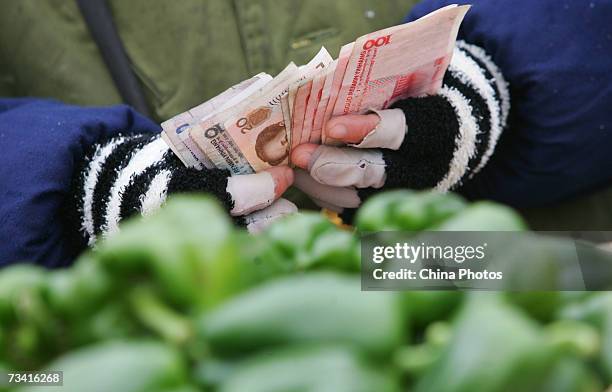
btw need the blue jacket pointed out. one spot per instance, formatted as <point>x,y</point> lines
<point>42,144</point>
<point>557,57</point>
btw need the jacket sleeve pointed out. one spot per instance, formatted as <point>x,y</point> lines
<point>451,135</point>
<point>44,142</point>
<point>557,144</point>
<point>128,175</point>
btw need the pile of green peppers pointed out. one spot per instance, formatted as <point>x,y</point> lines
<point>183,301</point>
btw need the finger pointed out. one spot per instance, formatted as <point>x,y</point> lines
<point>259,220</point>
<point>326,196</point>
<point>352,128</point>
<point>301,155</point>
<point>283,178</point>
<point>253,192</point>
<point>387,131</point>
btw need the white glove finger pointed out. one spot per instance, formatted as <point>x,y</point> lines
<point>259,220</point>
<point>347,166</point>
<point>389,133</point>
<point>251,192</point>
<point>326,196</point>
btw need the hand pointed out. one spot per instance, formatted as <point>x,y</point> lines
<point>336,172</point>
<point>257,196</point>
<point>158,173</point>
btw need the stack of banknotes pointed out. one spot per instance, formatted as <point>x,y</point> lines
<point>255,124</point>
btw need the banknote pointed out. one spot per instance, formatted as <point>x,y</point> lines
<point>299,109</point>
<point>248,90</point>
<point>254,125</point>
<point>311,106</point>
<point>299,92</point>
<point>286,115</point>
<point>336,83</point>
<point>176,129</point>
<point>250,136</point>
<point>317,123</point>
<point>177,125</point>
<point>402,61</point>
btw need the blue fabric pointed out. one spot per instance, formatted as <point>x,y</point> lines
<point>557,57</point>
<point>42,143</point>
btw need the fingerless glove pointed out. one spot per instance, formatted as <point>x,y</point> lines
<point>451,135</point>
<point>127,175</point>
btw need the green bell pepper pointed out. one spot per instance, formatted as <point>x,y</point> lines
<point>21,286</point>
<point>188,248</point>
<point>571,375</point>
<point>300,242</point>
<point>113,320</point>
<point>416,360</point>
<point>541,305</point>
<point>405,210</point>
<point>309,369</point>
<point>597,311</point>
<point>126,366</point>
<point>27,324</point>
<point>294,233</point>
<point>79,290</point>
<point>336,249</point>
<point>494,348</point>
<point>483,216</point>
<point>425,307</point>
<point>314,307</point>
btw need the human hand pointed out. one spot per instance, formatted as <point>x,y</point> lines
<point>337,172</point>
<point>113,187</point>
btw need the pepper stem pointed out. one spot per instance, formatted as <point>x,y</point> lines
<point>159,317</point>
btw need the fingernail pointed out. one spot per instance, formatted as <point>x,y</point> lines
<point>338,131</point>
<point>303,157</point>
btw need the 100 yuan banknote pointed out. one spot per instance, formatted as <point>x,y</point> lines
<point>402,61</point>
<point>299,92</point>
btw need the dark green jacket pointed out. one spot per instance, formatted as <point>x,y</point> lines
<point>183,52</point>
<point>186,51</point>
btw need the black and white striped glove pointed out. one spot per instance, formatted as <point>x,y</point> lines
<point>438,141</point>
<point>134,174</point>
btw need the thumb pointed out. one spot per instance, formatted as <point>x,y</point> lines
<point>252,192</point>
<point>351,128</point>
